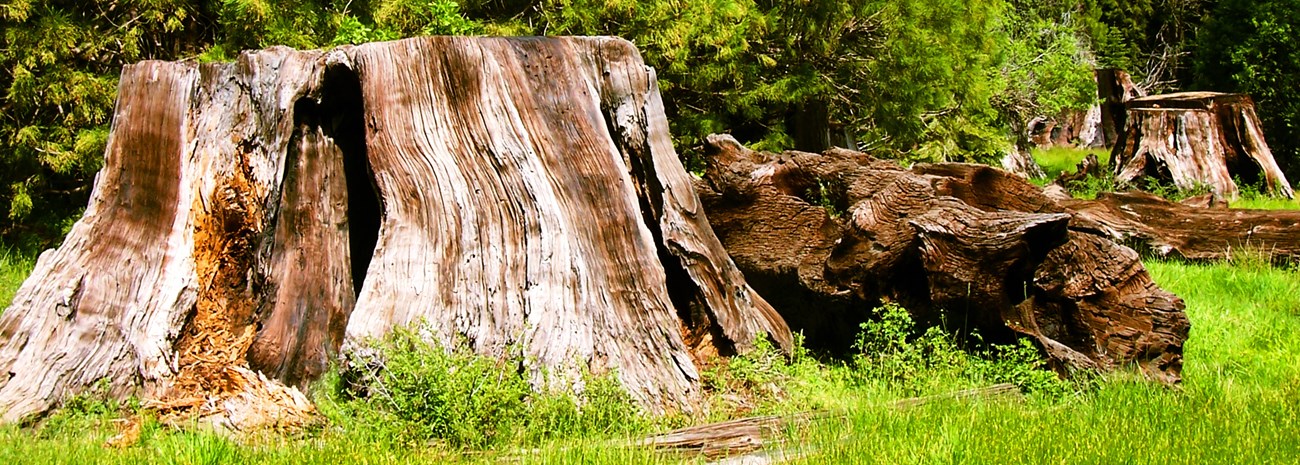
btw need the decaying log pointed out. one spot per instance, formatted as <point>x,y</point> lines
<point>743,435</point>
<point>519,195</point>
<point>1194,139</point>
<point>1191,232</point>
<point>969,246</point>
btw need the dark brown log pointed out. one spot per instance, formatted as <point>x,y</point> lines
<point>969,245</point>
<point>1195,139</point>
<point>520,195</point>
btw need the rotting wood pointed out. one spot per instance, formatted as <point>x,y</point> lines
<point>1195,139</point>
<point>969,245</point>
<point>514,194</point>
<point>1192,232</point>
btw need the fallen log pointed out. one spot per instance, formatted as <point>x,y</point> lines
<point>519,195</point>
<point>1195,139</point>
<point>1167,229</point>
<point>969,246</point>
<point>744,435</point>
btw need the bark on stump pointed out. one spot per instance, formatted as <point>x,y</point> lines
<point>1195,139</point>
<point>519,194</point>
<point>967,244</point>
<point>1114,88</point>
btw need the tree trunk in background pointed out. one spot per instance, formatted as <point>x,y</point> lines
<point>519,195</point>
<point>1195,139</point>
<point>1114,88</point>
<point>827,237</point>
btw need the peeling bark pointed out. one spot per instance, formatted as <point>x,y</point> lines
<point>1194,139</point>
<point>520,195</point>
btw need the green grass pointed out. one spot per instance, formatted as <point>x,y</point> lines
<point>1239,402</point>
<point>1057,160</point>
<point>14,268</point>
<point>1266,203</point>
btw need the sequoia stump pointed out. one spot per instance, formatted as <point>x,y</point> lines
<point>1195,140</point>
<point>519,195</point>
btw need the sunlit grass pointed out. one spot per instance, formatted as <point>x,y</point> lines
<point>1057,160</point>
<point>14,268</point>
<point>1266,203</point>
<point>1239,402</point>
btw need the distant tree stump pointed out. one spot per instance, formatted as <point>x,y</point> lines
<point>1195,139</point>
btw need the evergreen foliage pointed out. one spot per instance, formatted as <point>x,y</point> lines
<point>921,80</point>
<point>1251,47</point>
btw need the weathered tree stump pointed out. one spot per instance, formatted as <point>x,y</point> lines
<point>1195,139</point>
<point>968,245</point>
<point>520,195</point>
<point>1115,88</point>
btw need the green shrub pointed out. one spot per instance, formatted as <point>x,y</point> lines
<point>406,389</point>
<point>891,349</point>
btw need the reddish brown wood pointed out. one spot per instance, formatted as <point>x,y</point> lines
<point>1197,139</point>
<point>969,245</point>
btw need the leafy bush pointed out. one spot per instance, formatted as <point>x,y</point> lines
<point>891,349</point>
<point>410,390</point>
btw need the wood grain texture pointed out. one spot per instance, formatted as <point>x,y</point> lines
<point>1166,229</point>
<point>104,303</point>
<point>1195,139</point>
<point>520,195</point>
<point>970,245</point>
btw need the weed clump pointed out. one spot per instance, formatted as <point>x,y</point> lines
<point>891,349</point>
<point>408,389</point>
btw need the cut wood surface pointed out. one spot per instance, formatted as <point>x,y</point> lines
<point>519,195</point>
<point>969,245</point>
<point>1197,139</point>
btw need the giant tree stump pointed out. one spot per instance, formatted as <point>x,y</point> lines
<point>1195,139</point>
<point>968,246</point>
<point>520,195</point>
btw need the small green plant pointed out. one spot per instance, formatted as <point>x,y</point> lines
<point>830,194</point>
<point>890,348</point>
<point>415,392</point>
<point>1170,191</point>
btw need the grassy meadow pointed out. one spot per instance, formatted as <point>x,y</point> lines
<point>1239,401</point>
